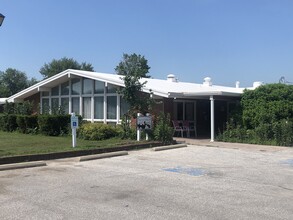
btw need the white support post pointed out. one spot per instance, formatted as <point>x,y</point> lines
<point>137,128</point>
<point>212,118</point>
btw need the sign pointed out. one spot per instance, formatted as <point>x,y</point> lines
<point>144,122</point>
<point>74,121</point>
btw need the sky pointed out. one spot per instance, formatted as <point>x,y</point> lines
<point>227,40</point>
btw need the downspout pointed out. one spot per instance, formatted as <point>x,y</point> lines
<point>212,118</point>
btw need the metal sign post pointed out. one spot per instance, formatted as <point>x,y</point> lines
<point>74,126</point>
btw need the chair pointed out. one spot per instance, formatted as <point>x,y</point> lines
<point>191,127</point>
<point>178,127</point>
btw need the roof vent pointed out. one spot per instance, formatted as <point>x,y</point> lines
<point>207,81</point>
<point>257,84</point>
<point>171,78</point>
<point>237,84</point>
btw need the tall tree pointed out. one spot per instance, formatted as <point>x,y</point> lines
<point>57,66</point>
<point>134,67</point>
<point>12,81</point>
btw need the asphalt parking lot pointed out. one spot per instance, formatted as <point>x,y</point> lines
<point>196,182</point>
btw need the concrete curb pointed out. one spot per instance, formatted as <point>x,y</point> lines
<point>169,147</point>
<point>101,156</point>
<point>22,165</point>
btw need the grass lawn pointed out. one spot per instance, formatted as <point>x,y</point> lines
<point>12,144</point>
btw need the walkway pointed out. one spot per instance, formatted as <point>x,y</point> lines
<point>250,147</point>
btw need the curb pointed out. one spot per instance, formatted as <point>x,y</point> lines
<point>101,156</point>
<point>22,165</point>
<point>169,147</point>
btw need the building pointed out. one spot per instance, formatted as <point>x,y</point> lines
<point>94,96</point>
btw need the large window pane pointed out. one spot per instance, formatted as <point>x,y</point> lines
<point>55,91</point>
<point>75,86</point>
<point>99,87</point>
<point>111,88</point>
<point>124,107</point>
<point>45,106</point>
<point>65,88</point>
<point>87,86</point>
<point>111,107</point>
<point>65,105</point>
<point>54,105</point>
<point>99,108</point>
<point>45,93</point>
<point>75,105</point>
<point>86,108</point>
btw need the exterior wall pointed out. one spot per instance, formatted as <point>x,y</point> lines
<point>36,100</point>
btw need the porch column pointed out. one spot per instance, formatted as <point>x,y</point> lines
<point>212,119</point>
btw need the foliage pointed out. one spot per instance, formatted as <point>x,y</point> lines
<point>24,108</point>
<point>266,117</point>
<point>133,64</point>
<point>27,123</point>
<point>57,66</point>
<point>163,131</point>
<point>54,125</point>
<point>13,81</point>
<point>267,104</point>
<point>8,122</point>
<point>97,131</point>
<point>126,131</point>
<point>133,67</point>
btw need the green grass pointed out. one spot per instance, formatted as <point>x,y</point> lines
<point>15,144</point>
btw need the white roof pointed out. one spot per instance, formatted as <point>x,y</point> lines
<point>2,100</point>
<point>159,87</point>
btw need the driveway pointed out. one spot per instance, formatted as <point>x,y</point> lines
<point>196,182</point>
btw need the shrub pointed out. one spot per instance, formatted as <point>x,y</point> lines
<point>27,123</point>
<point>8,122</point>
<point>97,131</point>
<point>163,131</point>
<point>54,125</point>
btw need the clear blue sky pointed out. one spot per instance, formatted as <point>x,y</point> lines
<point>228,40</point>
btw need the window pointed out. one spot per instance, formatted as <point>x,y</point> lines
<point>111,88</point>
<point>86,107</point>
<point>99,87</point>
<point>75,105</point>
<point>75,86</point>
<point>65,105</point>
<point>111,107</point>
<point>124,107</point>
<point>87,86</point>
<point>99,108</point>
<point>54,105</point>
<point>55,91</point>
<point>65,88</point>
<point>45,93</point>
<point>45,106</point>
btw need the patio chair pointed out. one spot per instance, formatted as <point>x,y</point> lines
<point>191,127</point>
<point>178,127</point>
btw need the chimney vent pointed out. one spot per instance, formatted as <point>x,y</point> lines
<point>171,78</point>
<point>207,81</point>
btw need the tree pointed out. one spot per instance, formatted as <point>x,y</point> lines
<point>57,66</point>
<point>12,81</point>
<point>267,104</point>
<point>133,67</point>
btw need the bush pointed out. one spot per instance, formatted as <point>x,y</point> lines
<point>8,122</point>
<point>27,123</point>
<point>97,131</point>
<point>163,131</point>
<point>54,125</point>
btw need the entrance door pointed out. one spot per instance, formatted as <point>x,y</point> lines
<point>203,115</point>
